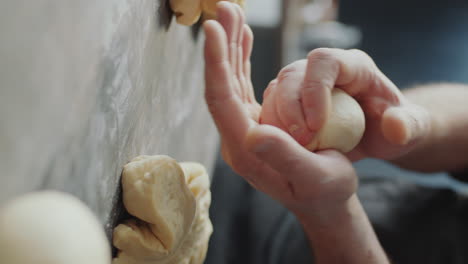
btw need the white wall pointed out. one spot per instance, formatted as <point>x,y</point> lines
<point>87,85</point>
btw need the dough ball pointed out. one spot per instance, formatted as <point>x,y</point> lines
<point>51,227</point>
<point>344,127</point>
<point>166,185</point>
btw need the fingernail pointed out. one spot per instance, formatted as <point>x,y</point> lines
<point>296,131</point>
<point>410,124</point>
<point>309,112</point>
<point>301,135</point>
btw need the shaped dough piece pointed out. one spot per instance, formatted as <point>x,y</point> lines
<point>51,227</point>
<point>344,127</point>
<point>137,241</point>
<point>154,191</point>
<point>187,12</point>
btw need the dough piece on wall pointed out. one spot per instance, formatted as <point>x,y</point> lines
<point>137,239</point>
<point>51,227</point>
<point>154,190</point>
<point>209,7</point>
<point>188,12</point>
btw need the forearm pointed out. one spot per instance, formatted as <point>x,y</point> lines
<point>345,237</point>
<point>445,148</point>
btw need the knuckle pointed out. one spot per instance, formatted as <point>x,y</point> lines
<point>266,92</point>
<point>269,88</point>
<point>362,56</point>
<point>286,73</point>
<point>321,54</point>
<point>291,69</point>
<point>311,86</point>
<point>359,52</point>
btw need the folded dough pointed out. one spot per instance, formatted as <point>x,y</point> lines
<point>170,202</point>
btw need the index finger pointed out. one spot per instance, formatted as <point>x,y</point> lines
<point>226,107</point>
<point>350,70</point>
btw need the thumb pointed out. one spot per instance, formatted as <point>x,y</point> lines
<point>280,151</point>
<point>405,124</point>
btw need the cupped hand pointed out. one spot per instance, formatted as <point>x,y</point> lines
<point>298,101</point>
<point>266,156</point>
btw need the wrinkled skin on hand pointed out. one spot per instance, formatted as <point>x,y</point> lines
<point>298,102</point>
<point>264,155</point>
<point>270,156</point>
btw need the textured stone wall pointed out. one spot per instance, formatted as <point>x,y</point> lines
<point>87,85</point>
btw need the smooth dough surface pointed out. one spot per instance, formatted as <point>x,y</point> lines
<point>171,223</point>
<point>344,127</point>
<point>51,227</point>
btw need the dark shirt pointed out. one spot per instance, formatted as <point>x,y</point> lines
<point>415,224</point>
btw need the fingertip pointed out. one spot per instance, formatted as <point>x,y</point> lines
<point>209,25</point>
<point>248,33</point>
<point>215,43</point>
<point>247,42</point>
<point>223,4</point>
<point>222,10</point>
<point>240,13</point>
<point>314,119</point>
<point>301,134</point>
<point>316,105</point>
<point>396,126</point>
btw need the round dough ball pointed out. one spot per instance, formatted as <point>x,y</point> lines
<point>344,127</point>
<point>51,227</point>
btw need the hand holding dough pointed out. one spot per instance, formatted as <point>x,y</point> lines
<point>170,202</point>
<point>51,227</point>
<point>342,130</point>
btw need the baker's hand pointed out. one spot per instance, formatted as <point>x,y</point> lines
<point>267,157</point>
<point>298,101</point>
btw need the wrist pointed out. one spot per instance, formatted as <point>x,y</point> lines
<point>316,220</point>
<point>344,235</point>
